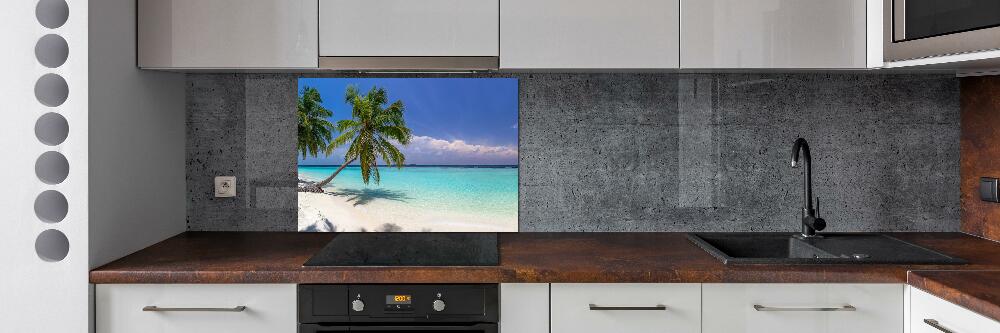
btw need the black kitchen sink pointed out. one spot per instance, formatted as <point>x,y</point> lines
<point>832,248</point>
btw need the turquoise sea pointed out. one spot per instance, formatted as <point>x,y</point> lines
<point>489,190</point>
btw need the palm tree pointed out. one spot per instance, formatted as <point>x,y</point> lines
<point>371,132</point>
<point>315,131</point>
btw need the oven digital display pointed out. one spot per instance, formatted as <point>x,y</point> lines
<point>398,299</point>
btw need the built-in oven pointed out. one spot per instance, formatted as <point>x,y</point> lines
<point>385,308</point>
<point>928,28</point>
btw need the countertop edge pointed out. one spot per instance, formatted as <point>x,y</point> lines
<point>940,283</point>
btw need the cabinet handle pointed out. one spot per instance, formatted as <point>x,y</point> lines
<point>759,307</point>
<point>154,308</point>
<point>935,324</point>
<point>657,307</point>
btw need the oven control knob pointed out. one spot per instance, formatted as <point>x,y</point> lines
<point>358,305</point>
<point>438,305</point>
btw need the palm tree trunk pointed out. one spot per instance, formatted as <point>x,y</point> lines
<point>329,179</point>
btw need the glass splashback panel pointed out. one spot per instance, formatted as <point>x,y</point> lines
<point>408,155</point>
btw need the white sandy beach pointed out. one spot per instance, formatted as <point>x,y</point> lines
<point>325,212</point>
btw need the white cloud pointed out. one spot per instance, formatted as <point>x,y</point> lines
<point>427,150</point>
<point>426,144</point>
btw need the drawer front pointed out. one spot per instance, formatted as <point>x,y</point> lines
<point>946,315</point>
<point>269,308</point>
<point>802,308</point>
<point>524,308</point>
<point>679,307</point>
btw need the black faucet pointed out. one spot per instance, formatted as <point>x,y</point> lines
<point>810,221</point>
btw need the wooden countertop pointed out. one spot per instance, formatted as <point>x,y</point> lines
<point>259,257</point>
<point>974,290</point>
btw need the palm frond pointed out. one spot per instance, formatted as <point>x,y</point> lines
<point>390,154</point>
<point>400,134</point>
<point>370,134</point>
<point>377,96</point>
<point>314,130</point>
<point>340,140</point>
<point>348,124</point>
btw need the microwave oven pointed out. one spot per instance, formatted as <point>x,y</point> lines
<point>915,29</point>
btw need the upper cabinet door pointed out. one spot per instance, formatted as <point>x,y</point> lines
<point>409,28</point>
<point>597,34</point>
<point>227,33</point>
<point>774,34</point>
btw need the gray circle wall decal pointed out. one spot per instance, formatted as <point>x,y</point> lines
<point>51,129</point>
<point>51,90</point>
<point>51,51</point>
<point>52,167</point>
<point>51,206</point>
<point>52,245</point>
<point>52,13</point>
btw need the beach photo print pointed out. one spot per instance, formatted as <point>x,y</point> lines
<point>407,155</point>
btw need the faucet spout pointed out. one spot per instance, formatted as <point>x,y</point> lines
<point>807,188</point>
<point>810,222</point>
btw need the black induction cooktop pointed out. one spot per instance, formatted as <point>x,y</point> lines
<point>409,249</point>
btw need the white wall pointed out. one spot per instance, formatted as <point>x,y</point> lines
<point>38,295</point>
<point>137,186</point>
<point>125,181</point>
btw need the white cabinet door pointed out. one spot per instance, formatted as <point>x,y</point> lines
<point>227,33</point>
<point>270,308</point>
<point>773,34</point>
<point>589,34</point>
<point>409,28</point>
<point>802,308</point>
<point>524,308</point>
<point>625,307</point>
<point>927,310</point>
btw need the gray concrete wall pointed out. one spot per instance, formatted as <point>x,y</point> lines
<point>244,126</point>
<point>640,152</point>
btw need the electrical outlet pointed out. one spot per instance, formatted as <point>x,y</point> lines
<point>225,187</point>
<point>988,189</point>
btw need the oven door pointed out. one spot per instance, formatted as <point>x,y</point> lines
<point>474,328</point>
<point>916,29</point>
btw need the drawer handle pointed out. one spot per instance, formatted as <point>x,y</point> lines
<point>154,308</point>
<point>657,307</point>
<point>759,307</point>
<point>935,324</point>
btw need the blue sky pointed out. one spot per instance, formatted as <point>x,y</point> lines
<point>454,120</point>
